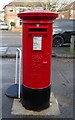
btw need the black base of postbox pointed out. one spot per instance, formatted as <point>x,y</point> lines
<point>35,99</point>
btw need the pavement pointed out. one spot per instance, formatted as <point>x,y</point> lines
<point>53,109</point>
<point>59,52</point>
<point>63,52</point>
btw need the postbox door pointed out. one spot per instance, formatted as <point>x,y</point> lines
<point>38,63</point>
<point>41,53</point>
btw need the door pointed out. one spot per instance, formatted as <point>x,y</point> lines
<point>10,20</point>
<point>40,60</point>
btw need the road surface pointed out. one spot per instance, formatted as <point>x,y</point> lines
<point>8,38</point>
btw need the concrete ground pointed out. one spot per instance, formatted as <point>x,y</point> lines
<point>62,88</point>
<point>53,109</point>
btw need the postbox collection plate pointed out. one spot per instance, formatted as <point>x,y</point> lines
<point>37,43</point>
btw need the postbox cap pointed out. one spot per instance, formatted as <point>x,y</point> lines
<point>39,14</point>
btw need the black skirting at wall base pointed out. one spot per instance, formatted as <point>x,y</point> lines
<point>35,99</point>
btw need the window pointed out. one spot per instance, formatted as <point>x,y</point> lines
<point>17,10</point>
<point>22,10</point>
<point>72,12</point>
<point>20,22</point>
<point>11,10</point>
<point>62,16</point>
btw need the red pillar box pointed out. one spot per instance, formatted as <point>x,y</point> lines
<point>36,58</point>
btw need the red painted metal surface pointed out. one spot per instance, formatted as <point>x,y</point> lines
<point>37,48</point>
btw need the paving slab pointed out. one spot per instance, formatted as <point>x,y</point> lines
<point>18,109</point>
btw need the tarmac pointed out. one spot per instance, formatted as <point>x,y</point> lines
<point>58,52</point>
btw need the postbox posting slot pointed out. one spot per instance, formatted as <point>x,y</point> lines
<point>37,29</point>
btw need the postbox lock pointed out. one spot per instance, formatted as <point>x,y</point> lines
<point>37,25</point>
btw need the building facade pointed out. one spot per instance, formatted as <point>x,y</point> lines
<point>1,16</point>
<point>12,9</point>
<point>67,12</point>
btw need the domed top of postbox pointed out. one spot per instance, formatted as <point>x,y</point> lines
<point>38,15</point>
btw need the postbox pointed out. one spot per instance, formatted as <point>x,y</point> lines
<point>37,29</point>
